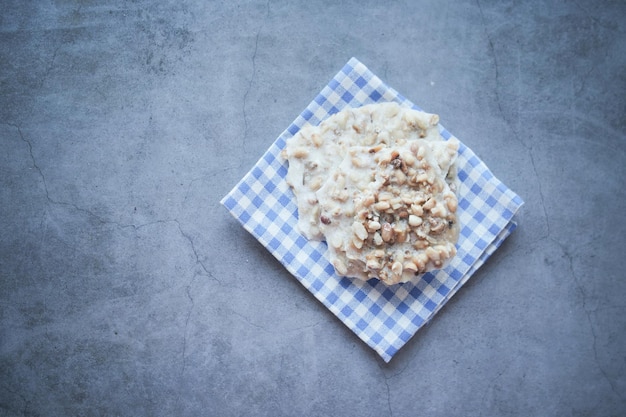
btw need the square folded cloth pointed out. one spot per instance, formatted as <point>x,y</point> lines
<point>384,317</point>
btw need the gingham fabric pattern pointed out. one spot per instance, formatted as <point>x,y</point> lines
<point>384,317</point>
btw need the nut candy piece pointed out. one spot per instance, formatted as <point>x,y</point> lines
<point>387,201</point>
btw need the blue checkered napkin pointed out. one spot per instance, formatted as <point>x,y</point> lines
<point>384,317</point>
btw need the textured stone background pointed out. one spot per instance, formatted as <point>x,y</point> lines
<point>126,289</point>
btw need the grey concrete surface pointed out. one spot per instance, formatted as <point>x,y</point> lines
<point>127,290</point>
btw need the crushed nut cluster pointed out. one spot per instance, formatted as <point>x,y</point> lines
<point>378,183</point>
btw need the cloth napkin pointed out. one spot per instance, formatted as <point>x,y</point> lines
<point>384,317</point>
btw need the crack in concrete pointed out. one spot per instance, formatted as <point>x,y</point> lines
<point>388,396</point>
<point>586,309</point>
<point>49,68</point>
<point>32,157</point>
<point>509,124</point>
<point>195,251</point>
<point>248,321</point>
<point>185,336</point>
<point>583,83</point>
<point>594,65</point>
<point>387,387</point>
<point>541,194</point>
<point>397,373</point>
<point>189,311</point>
<point>207,176</point>
<point>588,312</point>
<point>495,62</point>
<point>45,183</point>
<point>308,326</point>
<point>492,383</point>
<point>184,350</point>
<point>253,76</point>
